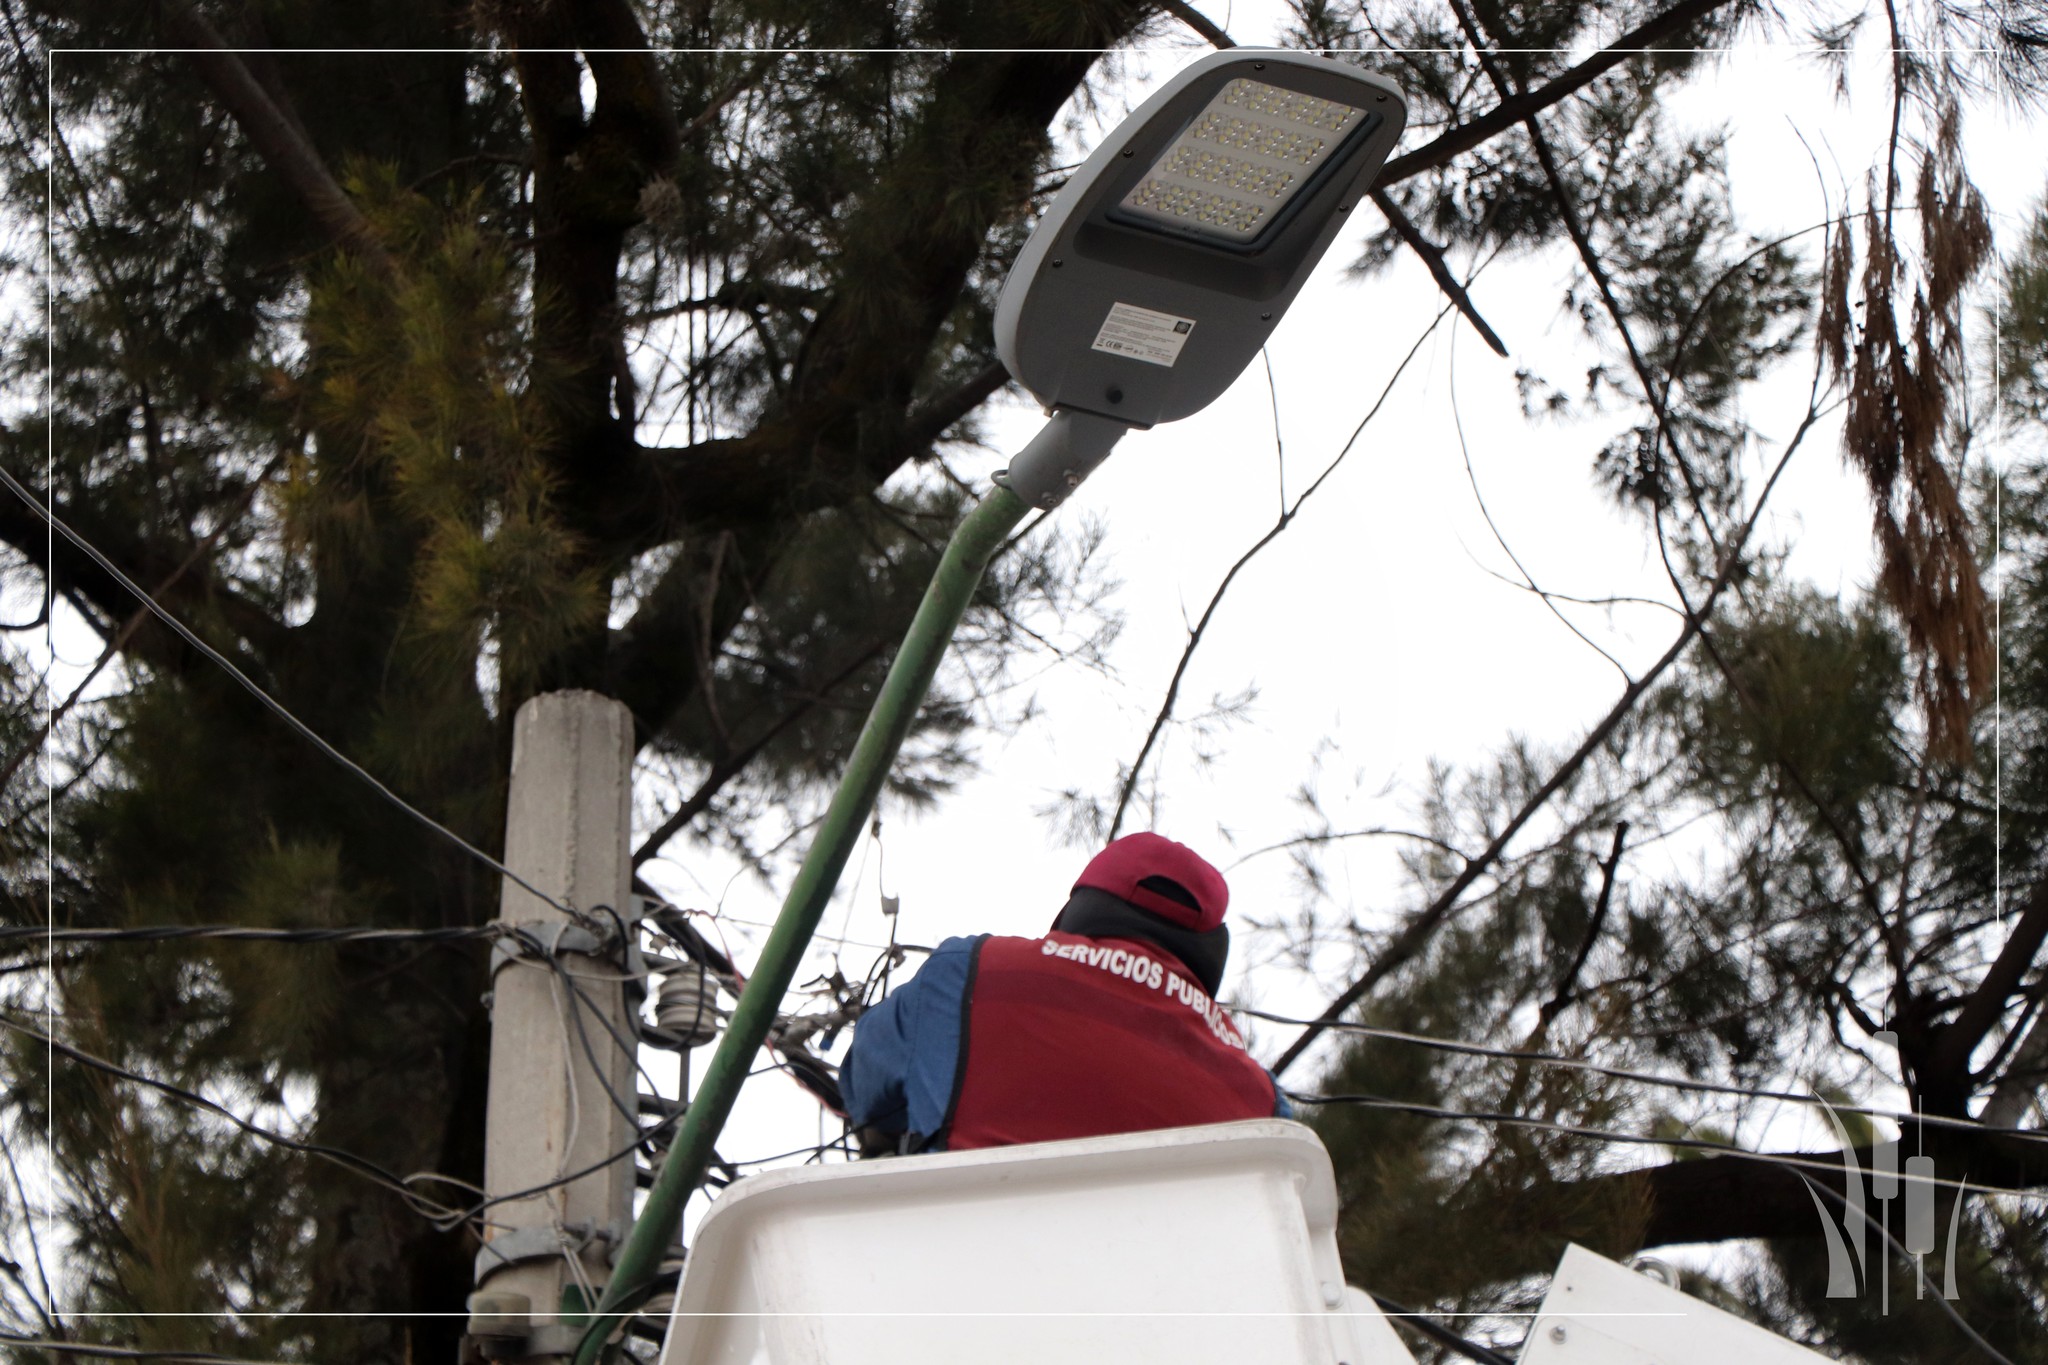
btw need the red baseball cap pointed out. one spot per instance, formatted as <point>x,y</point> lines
<point>1128,864</point>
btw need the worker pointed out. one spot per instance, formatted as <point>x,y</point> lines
<point>1108,1024</point>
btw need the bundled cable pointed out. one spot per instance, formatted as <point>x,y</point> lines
<point>177,933</point>
<point>1639,1139</point>
<point>349,1161</point>
<point>1468,1049</point>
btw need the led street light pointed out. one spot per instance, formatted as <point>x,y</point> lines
<point>1169,257</point>
<point>1228,177</point>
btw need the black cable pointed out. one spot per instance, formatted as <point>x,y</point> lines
<point>580,1000</point>
<point>717,1162</point>
<point>347,1160</point>
<point>440,1215</point>
<point>87,1348</point>
<point>574,1004</point>
<point>271,703</point>
<point>813,1150</point>
<point>1440,1334</point>
<point>172,933</point>
<point>1464,1048</point>
<point>1607,1135</point>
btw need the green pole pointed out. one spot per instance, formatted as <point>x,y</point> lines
<point>910,676</point>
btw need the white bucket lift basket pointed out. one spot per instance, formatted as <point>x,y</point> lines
<point>1191,1246</point>
<point>1600,1313</point>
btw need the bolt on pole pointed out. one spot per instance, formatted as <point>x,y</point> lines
<point>562,1090</point>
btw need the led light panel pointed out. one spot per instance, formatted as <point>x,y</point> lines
<point>1236,166</point>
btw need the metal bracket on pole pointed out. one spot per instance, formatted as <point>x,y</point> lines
<point>552,1340</point>
<point>554,937</point>
<point>539,1243</point>
<point>1063,453</point>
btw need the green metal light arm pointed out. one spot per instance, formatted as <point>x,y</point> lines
<point>967,555</point>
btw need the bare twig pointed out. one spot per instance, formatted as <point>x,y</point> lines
<point>1409,942</point>
<point>1335,836</point>
<point>1528,579</point>
<point>1286,518</point>
<point>1439,269</point>
<point>1955,1041</point>
<point>735,762</point>
<point>1568,211</point>
<point>2025,1075</point>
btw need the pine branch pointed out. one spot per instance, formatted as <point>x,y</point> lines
<point>633,101</point>
<point>2026,1075</point>
<point>931,420</point>
<point>735,296</point>
<point>1196,633</point>
<point>1439,269</point>
<point>1568,987</point>
<point>1725,1198</point>
<point>134,623</point>
<point>274,134</point>
<point>1955,1041</point>
<point>1212,33</point>
<point>1509,112</point>
<point>97,593</point>
<point>842,430</point>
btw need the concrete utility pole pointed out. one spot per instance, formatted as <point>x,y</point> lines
<point>550,1111</point>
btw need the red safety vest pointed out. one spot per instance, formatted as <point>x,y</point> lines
<point>1069,1037</point>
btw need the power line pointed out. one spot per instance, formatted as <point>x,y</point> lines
<point>271,703</point>
<point>171,933</point>
<point>1440,1334</point>
<point>1460,1046</point>
<point>442,1216</point>
<point>1640,1139</point>
<point>349,1161</point>
<point>86,1348</point>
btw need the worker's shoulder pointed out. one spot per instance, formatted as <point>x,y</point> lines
<point>959,945</point>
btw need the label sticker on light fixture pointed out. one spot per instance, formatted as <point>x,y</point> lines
<point>1141,334</point>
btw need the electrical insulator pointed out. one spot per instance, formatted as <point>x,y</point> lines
<point>686,1006</point>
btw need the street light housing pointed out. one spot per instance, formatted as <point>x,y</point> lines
<point>1171,254</point>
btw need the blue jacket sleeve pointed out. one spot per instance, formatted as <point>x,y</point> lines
<point>899,1070</point>
<point>1283,1108</point>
